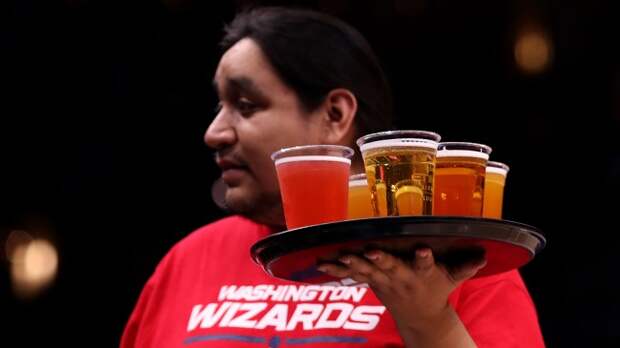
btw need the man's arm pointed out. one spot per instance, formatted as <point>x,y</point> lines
<point>416,295</point>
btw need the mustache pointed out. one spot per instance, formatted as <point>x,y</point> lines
<point>229,156</point>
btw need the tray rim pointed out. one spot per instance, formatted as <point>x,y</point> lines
<point>515,227</point>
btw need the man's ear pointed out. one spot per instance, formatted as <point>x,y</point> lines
<point>338,119</point>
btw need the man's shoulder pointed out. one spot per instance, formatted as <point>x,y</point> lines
<point>226,227</point>
<point>231,229</point>
<point>228,238</point>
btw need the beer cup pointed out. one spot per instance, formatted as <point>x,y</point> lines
<point>400,168</point>
<point>459,178</point>
<point>359,197</point>
<point>314,183</point>
<point>494,184</point>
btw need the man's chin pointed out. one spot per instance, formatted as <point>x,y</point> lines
<point>266,210</point>
<point>237,200</point>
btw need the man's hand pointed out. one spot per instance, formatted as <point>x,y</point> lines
<point>416,293</point>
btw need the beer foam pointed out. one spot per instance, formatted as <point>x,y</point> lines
<point>312,158</point>
<point>496,170</point>
<point>358,183</point>
<point>401,142</point>
<point>462,153</point>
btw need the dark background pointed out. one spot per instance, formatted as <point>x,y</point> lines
<point>104,104</point>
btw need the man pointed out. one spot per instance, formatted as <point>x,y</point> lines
<point>292,77</point>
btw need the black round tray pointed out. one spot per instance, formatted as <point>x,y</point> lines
<point>295,254</point>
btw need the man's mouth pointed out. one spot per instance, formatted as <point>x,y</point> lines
<point>232,170</point>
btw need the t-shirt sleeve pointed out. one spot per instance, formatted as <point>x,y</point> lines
<point>132,328</point>
<point>498,312</point>
<point>139,327</point>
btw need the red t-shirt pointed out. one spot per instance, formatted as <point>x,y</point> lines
<point>207,292</point>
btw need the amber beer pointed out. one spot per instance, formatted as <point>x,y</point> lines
<point>359,197</point>
<point>460,179</point>
<point>494,184</point>
<point>400,167</point>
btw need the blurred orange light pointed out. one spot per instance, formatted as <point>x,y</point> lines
<point>533,52</point>
<point>16,239</point>
<point>34,266</point>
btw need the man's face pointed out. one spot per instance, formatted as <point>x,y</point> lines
<point>258,115</point>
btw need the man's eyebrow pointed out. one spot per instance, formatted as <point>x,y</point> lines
<point>245,85</point>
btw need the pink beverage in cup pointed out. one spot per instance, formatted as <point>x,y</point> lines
<point>314,182</point>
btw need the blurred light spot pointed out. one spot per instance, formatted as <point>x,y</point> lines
<point>34,267</point>
<point>16,238</point>
<point>533,52</point>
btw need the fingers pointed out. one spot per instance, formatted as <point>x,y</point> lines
<point>391,265</point>
<point>381,270</point>
<point>335,270</point>
<point>357,268</point>
<point>466,270</point>
<point>424,261</point>
<point>364,271</point>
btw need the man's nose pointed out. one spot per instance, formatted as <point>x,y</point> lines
<point>221,132</point>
